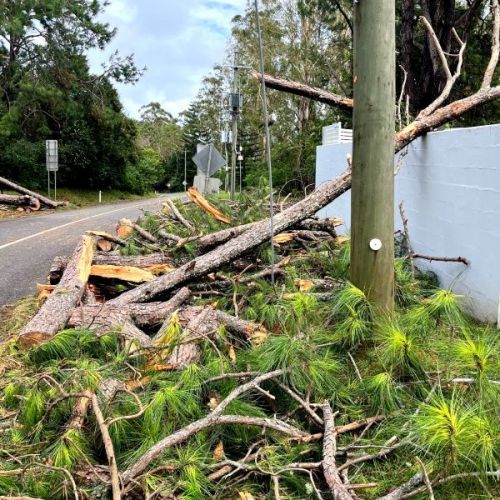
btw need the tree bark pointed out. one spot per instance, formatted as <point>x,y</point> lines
<point>20,201</point>
<point>245,242</point>
<point>57,309</point>
<point>372,205</point>
<point>444,115</point>
<point>302,90</point>
<point>106,318</point>
<point>213,239</point>
<point>337,487</point>
<point>20,189</point>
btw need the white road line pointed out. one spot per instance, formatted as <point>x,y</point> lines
<point>31,236</point>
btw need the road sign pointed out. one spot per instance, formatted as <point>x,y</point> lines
<point>209,160</point>
<point>51,156</point>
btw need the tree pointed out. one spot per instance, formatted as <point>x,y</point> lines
<point>372,208</point>
<point>48,92</point>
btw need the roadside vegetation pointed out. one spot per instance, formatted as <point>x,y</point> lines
<point>425,379</point>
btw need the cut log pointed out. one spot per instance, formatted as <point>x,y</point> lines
<point>148,262</point>
<point>143,315</point>
<point>204,204</point>
<point>140,230</point>
<point>20,189</point>
<point>58,308</point>
<point>107,236</point>
<point>104,245</point>
<point>247,241</point>
<point>105,318</point>
<point>20,201</point>
<point>123,231</point>
<point>123,273</point>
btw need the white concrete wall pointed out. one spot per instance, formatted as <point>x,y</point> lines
<point>450,185</point>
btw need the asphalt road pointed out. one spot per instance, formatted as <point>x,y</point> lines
<point>28,245</point>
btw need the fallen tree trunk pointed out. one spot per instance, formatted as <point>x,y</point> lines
<point>57,309</point>
<point>143,315</point>
<point>239,245</point>
<point>300,89</point>
<point>213,239</point>
<point>148,262</point>
<point>20,189</point>
<point>20,201</point>
<point>105,318</point>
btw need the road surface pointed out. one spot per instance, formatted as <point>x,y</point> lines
<point>28,245</point>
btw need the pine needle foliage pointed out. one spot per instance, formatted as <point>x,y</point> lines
<point>426,344</point>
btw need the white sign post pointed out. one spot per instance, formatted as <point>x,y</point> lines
<point>52,163</point>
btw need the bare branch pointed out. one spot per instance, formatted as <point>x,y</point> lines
<point>108,446</point>
<point>214,418</point>
<point>426,478</point>
<point>337,488</point>
<point>450,79</point>
<point>430,258</point>
<point>495,45</point>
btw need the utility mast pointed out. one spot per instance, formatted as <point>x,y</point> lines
<point>235,104</point>
<point>372,208</point>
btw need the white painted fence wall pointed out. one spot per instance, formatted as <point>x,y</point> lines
<point>450,184</point>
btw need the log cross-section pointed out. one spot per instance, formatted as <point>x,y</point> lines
<point>57,309</point>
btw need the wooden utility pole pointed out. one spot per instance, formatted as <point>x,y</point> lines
<point>372,207</point>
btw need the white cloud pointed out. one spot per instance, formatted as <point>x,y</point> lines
<point>178,41</point>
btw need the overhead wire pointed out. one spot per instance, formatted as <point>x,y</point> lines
<point>268,138</point>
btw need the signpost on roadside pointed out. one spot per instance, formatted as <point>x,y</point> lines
<point>209,161</point>
<point>52,163</point>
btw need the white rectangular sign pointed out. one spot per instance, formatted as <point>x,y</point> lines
<point>52,155</point>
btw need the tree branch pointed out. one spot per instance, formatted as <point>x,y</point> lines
<point>303,90</point>
<point>330,471</point>
<point>495,45</point>
<point>450,79</point>
<point>214,418</point>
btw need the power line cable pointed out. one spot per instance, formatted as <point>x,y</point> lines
<point>268,137</point>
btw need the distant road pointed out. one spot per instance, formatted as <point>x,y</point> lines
<point>28,245</point>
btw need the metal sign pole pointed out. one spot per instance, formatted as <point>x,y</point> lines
<point>55,185</point>
<point>207,176</point>
<point>185,170</point>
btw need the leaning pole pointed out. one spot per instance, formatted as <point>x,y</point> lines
<point>372,206</point>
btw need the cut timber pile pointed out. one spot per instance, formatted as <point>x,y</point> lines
<point>29,199</point>
<point>24,200</point>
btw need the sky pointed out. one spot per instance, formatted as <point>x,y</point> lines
<point>178,41</point>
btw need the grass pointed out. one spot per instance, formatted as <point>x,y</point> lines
<point>78,198</point>
<point>85,198</point>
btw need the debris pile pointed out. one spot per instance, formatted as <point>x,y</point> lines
<point>27,200</point>
<point>163,362</point>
